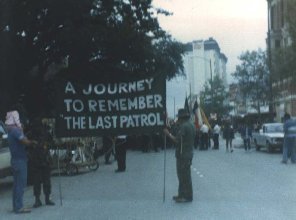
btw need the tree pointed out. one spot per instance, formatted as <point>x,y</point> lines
<point>213,97</point>
<point>253,77</point>
<point>102,35</point>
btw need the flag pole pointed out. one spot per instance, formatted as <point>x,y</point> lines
<point>59,170</point>
<point>164,169</point>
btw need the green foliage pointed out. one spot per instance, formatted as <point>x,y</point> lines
<point>213,97</point>
<point>253,77</point>
<point>107,36</point>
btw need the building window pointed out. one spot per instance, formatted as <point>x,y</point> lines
<point>272,18</point>
<point>282,14</point>
<point>277,43</point>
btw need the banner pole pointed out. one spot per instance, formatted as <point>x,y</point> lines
<point>60,188</point>
<point>164,168</point>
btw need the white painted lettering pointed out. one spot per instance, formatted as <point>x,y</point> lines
<point>99,89</point>
<point>78,105</point>
<point>68,104</point>
<point>92,104</point>
<point>149,82</point>
<point>87,92</point>
<point>70,88</point>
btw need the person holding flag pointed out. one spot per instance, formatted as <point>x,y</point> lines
<point>184,153</point>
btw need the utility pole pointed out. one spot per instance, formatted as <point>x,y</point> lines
<point>271,109</point>
<point>174,109</point>
<point>211,109</point>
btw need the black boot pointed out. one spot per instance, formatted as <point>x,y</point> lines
<point>48,201</point>
<point>37,203</point>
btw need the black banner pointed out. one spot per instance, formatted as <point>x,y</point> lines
<point>119,106</point>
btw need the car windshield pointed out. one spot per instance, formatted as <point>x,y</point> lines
<point>275,128</point>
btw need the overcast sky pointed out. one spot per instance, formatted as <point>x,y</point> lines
<point>237,26</point>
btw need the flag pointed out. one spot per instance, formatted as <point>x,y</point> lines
<point>167,121</point>
<point>205,119</point>
<point>197,115</point>
<point>186,105</point>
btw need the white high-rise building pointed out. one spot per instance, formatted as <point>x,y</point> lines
<point>202,62</point>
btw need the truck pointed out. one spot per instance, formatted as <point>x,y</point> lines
<point>270,137</point>
<point>5,167</point>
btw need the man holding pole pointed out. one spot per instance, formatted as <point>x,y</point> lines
<point>184,153</point>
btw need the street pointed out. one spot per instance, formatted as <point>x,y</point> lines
<point>239,185</point>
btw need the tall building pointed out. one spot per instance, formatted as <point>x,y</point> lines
<point>203,60</point>
<point>278,38</point>
<point>278,25</point>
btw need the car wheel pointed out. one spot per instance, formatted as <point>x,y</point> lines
<point>269,148</point>
<point>71,170</point>
<point>94,165</point>
<point>256,145</point>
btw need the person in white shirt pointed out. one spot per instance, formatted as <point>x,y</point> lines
<point>204,137</point>
<point>216,132</point>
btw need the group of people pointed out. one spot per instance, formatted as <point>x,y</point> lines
<point>39,157</point>
<point>184,138</point>
<point>204,136</point>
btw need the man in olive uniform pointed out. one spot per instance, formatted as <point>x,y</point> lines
<point>40,163</point>
<point>184,140</point>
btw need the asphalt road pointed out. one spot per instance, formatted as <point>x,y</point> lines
<point>239,185</point>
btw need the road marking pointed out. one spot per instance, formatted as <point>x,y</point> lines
<point>197,172</point>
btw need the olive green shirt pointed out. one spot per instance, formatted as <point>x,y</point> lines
<point>185,140</point>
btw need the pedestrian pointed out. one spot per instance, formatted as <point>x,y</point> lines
<point>120,152</point>
<point>289,148</point>
<point>40,163</point>
<point>216,133</point>
<point>246,134</point>
<point>197,139</point>
<point>204,137</point>
<point>108,149</point>
<point>228,135</point>
<point>184,140</point>
<point>17,146</point>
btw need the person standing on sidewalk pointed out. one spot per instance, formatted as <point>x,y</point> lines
<point>216,133</point>
<point>228,135</point>
<point>17,146</point>
<point>108,149</point>
<point>40,161</point>
<point>289,139</point>
<point>204,137</point>
<point>120,152</point>
<point>246,134</point>
<point>184,140</point>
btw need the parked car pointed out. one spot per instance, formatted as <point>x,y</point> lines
<point>5,168</point>
<point>270,136</point>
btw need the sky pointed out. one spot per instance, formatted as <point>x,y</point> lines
<point>236,25</point>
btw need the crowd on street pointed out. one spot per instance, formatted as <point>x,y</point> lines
<point>30,151</point>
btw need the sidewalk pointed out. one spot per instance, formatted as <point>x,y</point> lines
<point>104,194</point>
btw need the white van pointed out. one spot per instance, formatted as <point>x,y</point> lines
<point>5,169</point>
